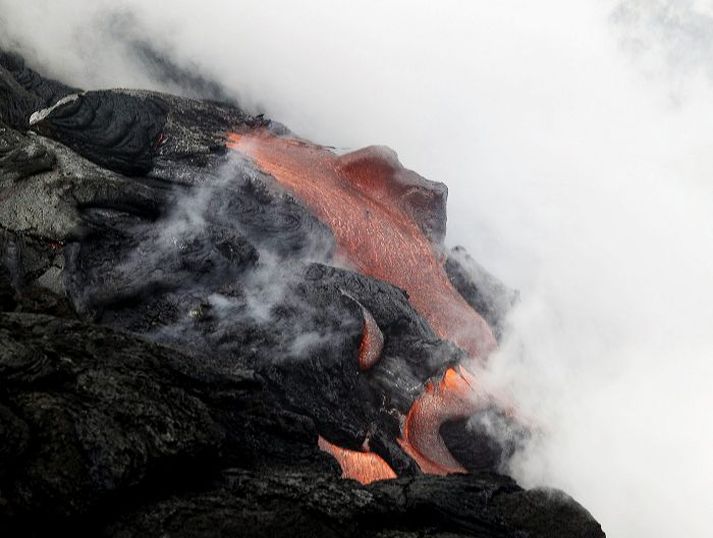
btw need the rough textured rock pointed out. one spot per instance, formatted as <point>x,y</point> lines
<point>104,431</point>
<point>116,130</point>
<point>7,292</point>
<point>485,293</point>
<point>244,504</point>
<point>89,415</point>
<point>179,331</point>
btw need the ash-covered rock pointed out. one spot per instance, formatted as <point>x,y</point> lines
<point>178,332</point>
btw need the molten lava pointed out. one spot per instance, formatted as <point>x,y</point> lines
<point>372,339</point>
<point>365,467</point>
<point>372,343</point>
<point>373,207</point>
<point>363,198</point>
<point>452,398</point>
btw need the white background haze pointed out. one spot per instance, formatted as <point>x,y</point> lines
<point>575,137</point>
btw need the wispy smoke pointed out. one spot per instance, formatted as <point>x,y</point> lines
<point>670,39</point>
<point>177,252</point>
<point>571,176</point>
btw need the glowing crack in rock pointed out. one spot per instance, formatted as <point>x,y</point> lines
<point>372,339</point>
<point>372,342</point>
<point>357,196</point>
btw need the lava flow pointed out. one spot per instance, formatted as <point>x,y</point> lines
<point>372,342</point>
<point>366,467</point>
<point>373,206</point>
<point>363,198</point>
<point>372,339</point>
<point>454,397</point>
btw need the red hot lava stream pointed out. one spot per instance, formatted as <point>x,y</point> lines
<point>366,467</point>
<point>453,397</point>
<point>364,199</point>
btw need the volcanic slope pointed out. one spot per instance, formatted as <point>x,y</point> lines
<point>184,325</point>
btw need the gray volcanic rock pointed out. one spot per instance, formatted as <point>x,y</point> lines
<point>177,335</point>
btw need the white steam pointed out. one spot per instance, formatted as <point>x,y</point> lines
<point>575,140</point>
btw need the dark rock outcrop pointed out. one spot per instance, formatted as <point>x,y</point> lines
<point>244,504</point>
<point>108,434</point>
<point>483,292</point>
<point>116,130</point>
<point>92,417</point>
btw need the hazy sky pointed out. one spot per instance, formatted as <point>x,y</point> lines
<point>575,138</point>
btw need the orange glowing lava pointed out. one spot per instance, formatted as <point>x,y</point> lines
<point>365,467</point>
<point>365,198</point>
<point>372,342</point>
<point>454,397</point>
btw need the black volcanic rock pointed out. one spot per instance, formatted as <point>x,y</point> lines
<point>7,292</point>
<point>176,336</point>
<point>244,504</point>
<point>99,425</point>
<point>481,290</point>
<point>114,129</point>
<point>89,415</point>
<point>107,433</point>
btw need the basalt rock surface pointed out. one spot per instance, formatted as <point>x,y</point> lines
<point>179,330</point>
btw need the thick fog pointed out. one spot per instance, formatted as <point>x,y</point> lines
<point>575,138</point>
